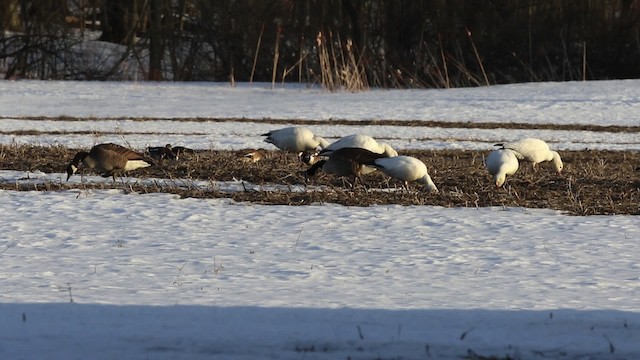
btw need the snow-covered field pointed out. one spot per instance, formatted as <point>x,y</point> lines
<point>104,275</point>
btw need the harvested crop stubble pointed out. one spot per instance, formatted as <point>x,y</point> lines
<point>594,182</point>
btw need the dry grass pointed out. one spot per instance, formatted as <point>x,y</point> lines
<point>340,70</point>
<point>594,182</point>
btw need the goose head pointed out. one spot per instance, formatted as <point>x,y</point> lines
<point>388,151</point>
<point>308,158</point>
<point>557,162</point>
<point>499,179</point>
<point>72,168</point>
<point>428,182</point>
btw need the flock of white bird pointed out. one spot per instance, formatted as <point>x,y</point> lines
<point>351,156</point>
<point>359,154</point>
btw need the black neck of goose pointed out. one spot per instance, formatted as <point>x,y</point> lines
<point>79,157</point>
<point>315,167</point>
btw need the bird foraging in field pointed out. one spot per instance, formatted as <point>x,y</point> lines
<point>344,162</point>
<point>500,163</point>
<point>161,152</point>
<point>181,150</point>
<point>109,159</point>
<point>534,151</point>
<point>295,139</point>
<point>361,141</point>
<point>168,152</point>
<point>253,156</point>
<point>362,161</point>
<point>405,168</point>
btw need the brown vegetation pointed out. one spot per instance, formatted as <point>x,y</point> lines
<point>594,182</point>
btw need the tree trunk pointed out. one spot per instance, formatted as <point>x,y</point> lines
<point>117,26</point>
<point>156,48</point>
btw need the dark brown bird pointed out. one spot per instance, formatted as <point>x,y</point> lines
<point>346,162</point>
<point>180,150</point>
<point>161,152</point>
<point>109,159</point>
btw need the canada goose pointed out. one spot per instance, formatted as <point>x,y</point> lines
<point>354,141</point>
<point>405,168</point>
<point>254,156</point>
<point>345,162</point>
<point>500,163</point>
<point>295,139</point>
<point>110,159</point>
<point>308,158</point>
<point>361,141</point>
<point>534,151</point>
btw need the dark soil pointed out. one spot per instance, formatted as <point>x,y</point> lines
<point>594,182</point>
<point>387,122</point>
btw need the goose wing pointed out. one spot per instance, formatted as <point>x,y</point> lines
<point>357,155</point>
<point>121,151</point>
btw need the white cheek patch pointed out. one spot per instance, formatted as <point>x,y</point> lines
<point>74,168</point>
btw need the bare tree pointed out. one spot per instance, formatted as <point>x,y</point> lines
<point>119,21</point>
<point>156,40</point>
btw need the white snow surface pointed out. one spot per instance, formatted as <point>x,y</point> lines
<point>104,274</point>
<point>598,102</point>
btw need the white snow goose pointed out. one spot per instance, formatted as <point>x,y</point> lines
<point>534,151</point>
<point>295,139</point>
<point>407,169</point>
<point>110,159</point>
<point>500,163</point>
<point>361,141</point>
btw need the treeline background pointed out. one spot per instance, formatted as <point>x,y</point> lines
<point>383,43</point>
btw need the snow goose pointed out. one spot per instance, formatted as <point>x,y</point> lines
<point>295,139</point>
<point>405,168</point>
<point>110,159</point>
<point>345,162</point>
<point>534,151</point>
<point>500,163</point>
<point>361,141</point>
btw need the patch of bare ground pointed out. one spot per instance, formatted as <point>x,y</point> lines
<point>594,182</point>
